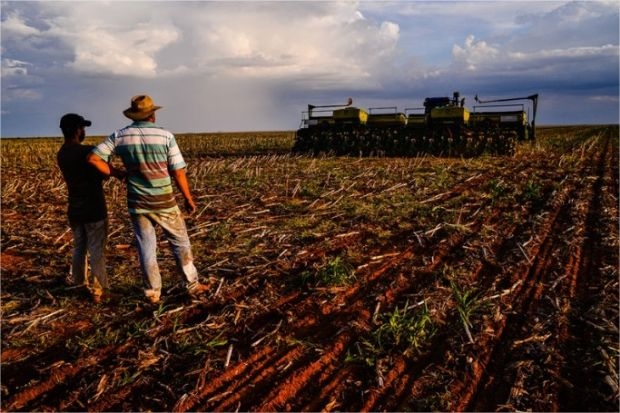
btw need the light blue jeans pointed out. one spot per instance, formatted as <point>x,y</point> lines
<point>175,231</point>
<point>89,240</point>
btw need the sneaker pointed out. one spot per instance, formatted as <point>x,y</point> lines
<point>198,289</point>
<point>152,297</point>
<point>96,294</point>
<point>105,297</point>
<point>153,300</point>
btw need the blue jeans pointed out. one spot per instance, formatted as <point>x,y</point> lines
<point>174,229</point>
<point>89,240</point>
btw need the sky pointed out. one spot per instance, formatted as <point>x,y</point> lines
<point>221,66</point>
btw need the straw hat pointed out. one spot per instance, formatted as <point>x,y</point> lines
<point>141,108</point>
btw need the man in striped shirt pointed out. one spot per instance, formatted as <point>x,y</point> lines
<point>151,158</point>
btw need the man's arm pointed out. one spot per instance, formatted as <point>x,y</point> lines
<point>180,178</point>
<point>103,167</point>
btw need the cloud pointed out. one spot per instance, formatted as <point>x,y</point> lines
<point>130,52</point>
<point>481,56</point>
<point>93,42</point>
<point>14,67</point>
<point>473,53</point>
<point>330,39</point>
<point>331,42</point>
<point>15,28</point>
<point>240,65</point>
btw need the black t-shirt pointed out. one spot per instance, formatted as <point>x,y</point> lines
<point>85,183</point>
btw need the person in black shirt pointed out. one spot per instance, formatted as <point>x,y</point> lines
<point>87,210</point>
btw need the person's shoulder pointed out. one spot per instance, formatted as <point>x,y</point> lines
<point>68,150</point>
<point>84,150</point>
<point>160,129</point>
<point>61,154</point>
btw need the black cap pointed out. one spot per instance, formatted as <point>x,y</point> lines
<point>73,120</point>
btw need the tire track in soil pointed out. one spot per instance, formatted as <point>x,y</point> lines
<point>525,302</point>
<point>237,381</point>
<point>324,334</point>
<point>61,375</point>
<point>418,388</point>
<point>454,243</point>
<point>306,370</point>
<point>580,337</point>
<point>406,374</point>
<point>88,365</point>
<point>358,313</point>
<point>485,384</point>
<point>573,338</point>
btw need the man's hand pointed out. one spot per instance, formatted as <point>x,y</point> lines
<point>190,206</point>
<point>181,180</point>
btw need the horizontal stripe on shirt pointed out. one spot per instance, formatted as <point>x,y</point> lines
<point>151,153</point>
<point>152,202</point>
<point>148,153</point>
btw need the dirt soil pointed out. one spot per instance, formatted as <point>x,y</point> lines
<point>520,301</point>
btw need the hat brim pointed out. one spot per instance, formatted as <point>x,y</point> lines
<point>139,115</point>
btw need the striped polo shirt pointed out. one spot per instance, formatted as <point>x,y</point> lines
<point>148,153</point>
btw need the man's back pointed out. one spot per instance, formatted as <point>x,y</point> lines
<point>148,153</point>
<point>84,183</point>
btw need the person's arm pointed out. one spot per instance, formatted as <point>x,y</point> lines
<point>104,167</point>
<point>180,178</point>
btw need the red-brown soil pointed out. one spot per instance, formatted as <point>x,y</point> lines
<point>533,238</point>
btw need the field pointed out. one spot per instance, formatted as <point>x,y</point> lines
<point>338,283</point>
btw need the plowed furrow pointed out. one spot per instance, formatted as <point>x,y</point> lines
<point>582,345</point>
<point>463,389</point>
<point>209,388</point>
<point>527,309</point>
<point>279,398</point>
<point>332,392</point>
<point>408,385</point>
<point>61,375</point>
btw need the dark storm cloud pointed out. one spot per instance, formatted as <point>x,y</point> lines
<point>256,65</point>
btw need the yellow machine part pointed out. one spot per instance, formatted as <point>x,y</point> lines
<point>416,119</point>
<point>387,119</point>
<point>450,114</point>
<point>351,114</point>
